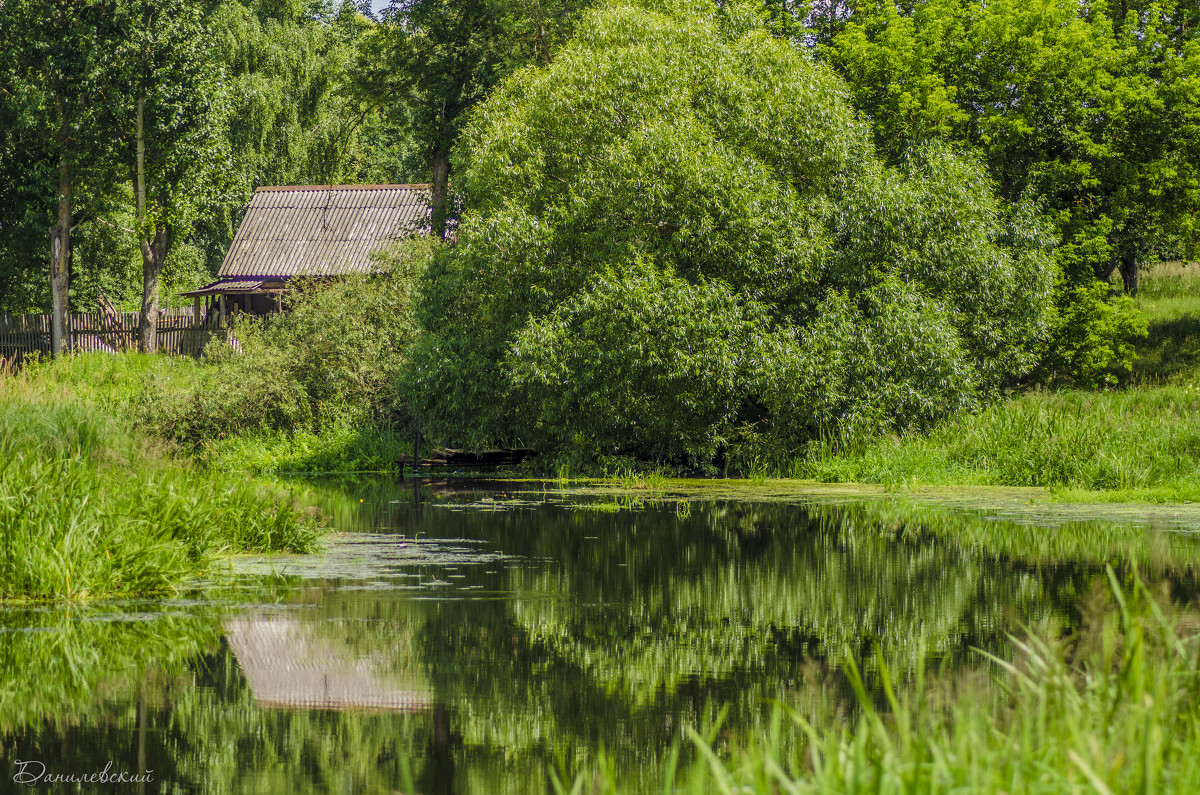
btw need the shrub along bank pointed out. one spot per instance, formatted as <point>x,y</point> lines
<point>679,242</point>
<point>317,388</point>
<point>1136,441</point>
<point>89,508</point>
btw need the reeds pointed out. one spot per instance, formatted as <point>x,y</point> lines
<point>89,508</point>
<point>1115,708</point>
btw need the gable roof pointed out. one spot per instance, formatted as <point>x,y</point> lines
<point>322,230</point>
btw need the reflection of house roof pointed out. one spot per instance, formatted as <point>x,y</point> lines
<point>322,230</point>
<point>289,667</point>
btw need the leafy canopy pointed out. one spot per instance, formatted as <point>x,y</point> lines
<point>684,138</point>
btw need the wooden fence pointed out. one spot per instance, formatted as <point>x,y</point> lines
<point>178,333</point>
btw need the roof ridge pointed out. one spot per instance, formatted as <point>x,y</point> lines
<point>276,188</point>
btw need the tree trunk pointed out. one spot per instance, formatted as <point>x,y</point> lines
<point>441,179</point>
<point>60,262</point>
<point>1129,271</point>
<point>1104,272</point>
<point>154,252</point>
<point>154,249</point>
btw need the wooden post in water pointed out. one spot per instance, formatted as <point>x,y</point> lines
<point>416,453</point>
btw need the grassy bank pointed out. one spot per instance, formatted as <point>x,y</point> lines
<point>89,507</point>
<point>1115,708</point>
<point>218,418</point>
<point>1136,443</point>
<point>1140,444</point>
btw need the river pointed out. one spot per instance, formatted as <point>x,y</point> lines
<point>476,636</point>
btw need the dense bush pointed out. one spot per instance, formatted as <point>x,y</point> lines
<point>891,360</point>
<point>683,136</point>
<point>643,363</point>
<point>334,359</point>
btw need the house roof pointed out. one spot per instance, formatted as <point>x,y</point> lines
<point>322,230</point>
<point>229,287</point>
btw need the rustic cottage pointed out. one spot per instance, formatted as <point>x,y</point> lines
<point>309,230</point>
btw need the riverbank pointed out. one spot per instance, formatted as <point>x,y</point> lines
<point>1138,446</point>
<point>1134,441</point>
<point>90,507</point>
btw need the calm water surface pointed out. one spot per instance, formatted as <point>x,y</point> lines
<point>476,635</point>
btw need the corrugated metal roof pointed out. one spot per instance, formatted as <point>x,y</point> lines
<point>323,230</point>
<point>226,286</point>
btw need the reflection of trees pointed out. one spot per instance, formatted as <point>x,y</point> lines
<point>76,685</point>
<point>656,616</point>
<point>613,629</point>
<point>60,667</point>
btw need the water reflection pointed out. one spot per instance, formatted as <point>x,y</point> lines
<point>470,636</point>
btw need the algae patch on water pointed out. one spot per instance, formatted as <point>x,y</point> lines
<point>1021,505</point>
<point>374,556</point>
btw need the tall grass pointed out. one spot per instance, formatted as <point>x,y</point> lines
<point>1115,708</point>
<point>1141,442</point>
<point>368,446</point>
<point>186,401</point>
<point>1142,439</point>
<point>90,508</point>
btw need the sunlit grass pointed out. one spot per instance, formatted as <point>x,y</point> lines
<point>1114,708</point>
<point>344,448</point>
<point>89,507</point>
<point>1144,442</point>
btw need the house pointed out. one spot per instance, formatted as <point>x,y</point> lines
<point>307,231</point>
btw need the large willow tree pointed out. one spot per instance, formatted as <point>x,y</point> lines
<point>678,237</point>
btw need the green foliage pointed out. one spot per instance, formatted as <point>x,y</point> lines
<point>294,119</point>
<point>893,362</point>
<point>334,360</point>
<point>688,139</point>
<point>433,60</point>
<point>1089,108</point>
<point>938,225</point>
<point>90,510</point>
<point>55,138</point>
<point>642,364</point>
<point>1133,442</point>
<point>1093,338</point>
<point>238,94</point>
